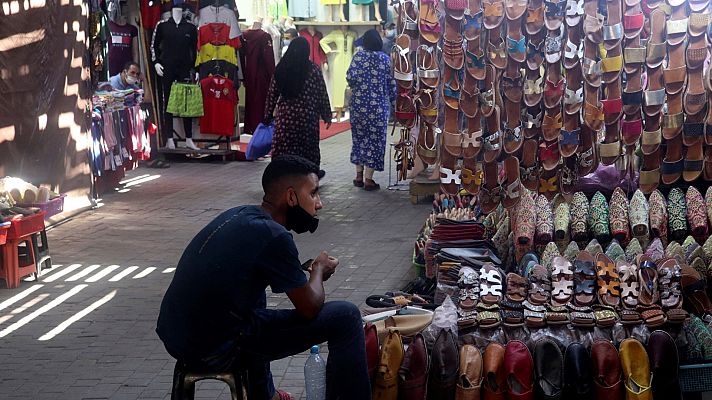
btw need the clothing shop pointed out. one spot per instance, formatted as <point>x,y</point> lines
<point>568,253</point>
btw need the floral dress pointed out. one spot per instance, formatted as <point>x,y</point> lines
<point>373,90</point>
<point>296,122</point>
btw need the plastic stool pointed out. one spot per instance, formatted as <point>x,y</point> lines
<point>184,379</point>
<point>16,264</point>
<point>41,246</point>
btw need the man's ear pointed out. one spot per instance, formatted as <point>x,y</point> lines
<point>291,197</point>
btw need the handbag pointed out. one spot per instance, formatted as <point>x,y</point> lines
<point>371,336</point>
<point>261,142</point>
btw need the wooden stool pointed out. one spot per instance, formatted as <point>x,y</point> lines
<point>184,379</point>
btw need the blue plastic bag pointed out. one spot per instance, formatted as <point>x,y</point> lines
<point>261,142</point>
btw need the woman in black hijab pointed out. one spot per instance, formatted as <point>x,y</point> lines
<point>372,92</point>
<point>298,93</point>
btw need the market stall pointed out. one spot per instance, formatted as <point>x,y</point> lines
<point>568,251</point>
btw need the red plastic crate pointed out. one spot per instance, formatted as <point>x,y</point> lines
<point>50,208</point>
<point>3,233</point>
<point>26,226</point>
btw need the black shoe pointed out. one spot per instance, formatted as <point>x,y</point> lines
<point>578,377</point>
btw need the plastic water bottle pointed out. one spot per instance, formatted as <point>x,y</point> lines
<point>315,375</point>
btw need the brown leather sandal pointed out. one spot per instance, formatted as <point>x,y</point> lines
<point>608,281</point>
<point>529,171</point>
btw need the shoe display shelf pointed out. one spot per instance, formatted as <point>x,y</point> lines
<point>696,378</point>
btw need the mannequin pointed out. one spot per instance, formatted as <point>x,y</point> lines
<point>316,54</point>
<point>336,7</point>
<point>257,23</point>
<point>173,49</point>
<point>269,27</point>
<point>363,6</point>
<point>341,44</point>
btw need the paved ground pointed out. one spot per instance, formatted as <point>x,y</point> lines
<point>86,330</point>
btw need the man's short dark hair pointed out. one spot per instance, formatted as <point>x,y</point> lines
<point>128,65</point>
<point>286,166</point>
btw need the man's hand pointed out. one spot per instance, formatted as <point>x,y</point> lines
<point>324,265</point>
<point>328,125</point>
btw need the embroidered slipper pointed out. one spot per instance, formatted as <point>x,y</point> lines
<point>491,193</point>
<point>562,276</point>
<point>535,17</point>
<point>512,185</point>
<point>493,13</point>
<point>544,220</point>
<point>594,247</point>
<point>647,281</point>
<point>493,141</point>
<point>655,250</point>
<point>578,215</point>
<point>658,215</point>
<point>628,273</point>
<point>598,217</point>
<point>638,211</point>
<point>608,281</point>
<point>677,214</point>
<point>708,118</point>
<point>708,203</point>
<point>529,171</point>
<point>562,220</point>
<point>614,251</point>
<point>525,226</point>
<point>696,212</point>
<point>547,256</point>
<point>618,215</point>
<point>428,20</point>
<point>633,250</point>
<point>571,251</point>
<point>584,279</point>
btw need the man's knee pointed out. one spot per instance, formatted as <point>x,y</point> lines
<point>346,312</point>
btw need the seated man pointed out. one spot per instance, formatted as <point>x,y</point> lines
<point>214,312</point>
<point>127,78</point>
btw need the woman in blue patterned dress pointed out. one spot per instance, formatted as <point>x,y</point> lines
<point>373,91</point>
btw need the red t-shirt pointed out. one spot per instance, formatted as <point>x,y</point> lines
<point>216,34</point>
<point>150,13</point>
<point>120,45</point>
<point>219,100</point>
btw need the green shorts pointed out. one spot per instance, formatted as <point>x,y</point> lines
<point>186,100</point>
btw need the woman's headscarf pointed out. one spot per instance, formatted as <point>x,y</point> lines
<point>293,70</point>
<point>372,40</point>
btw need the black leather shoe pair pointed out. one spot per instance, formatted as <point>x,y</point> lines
<point>578,381</point>
<point>548,367</point>
<point>562,377</point>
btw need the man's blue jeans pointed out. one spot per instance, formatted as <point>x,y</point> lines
<point>282,333</point>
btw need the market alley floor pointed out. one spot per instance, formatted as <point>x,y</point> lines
<point>86,329</point>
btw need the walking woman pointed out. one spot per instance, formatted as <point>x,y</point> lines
<point>373,91</point>
<point>298,92</point>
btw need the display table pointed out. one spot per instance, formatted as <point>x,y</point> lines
<point>19,233</point>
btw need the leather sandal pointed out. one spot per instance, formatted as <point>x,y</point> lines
<point>473,20</point>
<point>529,171</point>
<point>491,192</point>
<point>532,119</point>
<point>593,115</point>
<point>553,87</point>
<point>656,47</point>
<point>573,50</point>
<point>426,60</point>
<point>676,72</point>
<point>534,87</point>
<point>694,156</point>
<point>549,156</point>
<point>535,49</point>
<point>492,142</point>
<point>574,13</point>
<point>650,171</point>
<point>493,13</point>
<point>676,26</point>
<point>673,163</point>
<point>553,45</point>
<point>647,281</point>
<point>613,30</point>
<point>497,51</point>
<point>409,18</point>
<point>608,281</point>
<point>402,69</point>
<point>475,59</point>
<point>470,97</point>
<point>552,123</point>
<point>535,17</point>
<point>516,42</point>
<point>587,152</point>
<point>674,118</point>
<point>512,185</point>
<point>487,93</point>
<point>569,138</point>
<point>654,94</point>
<point>427,145</point>
<point>405,112</point>
<point>584,279</point>
<point>555,11</point>
<point>429,21</point>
